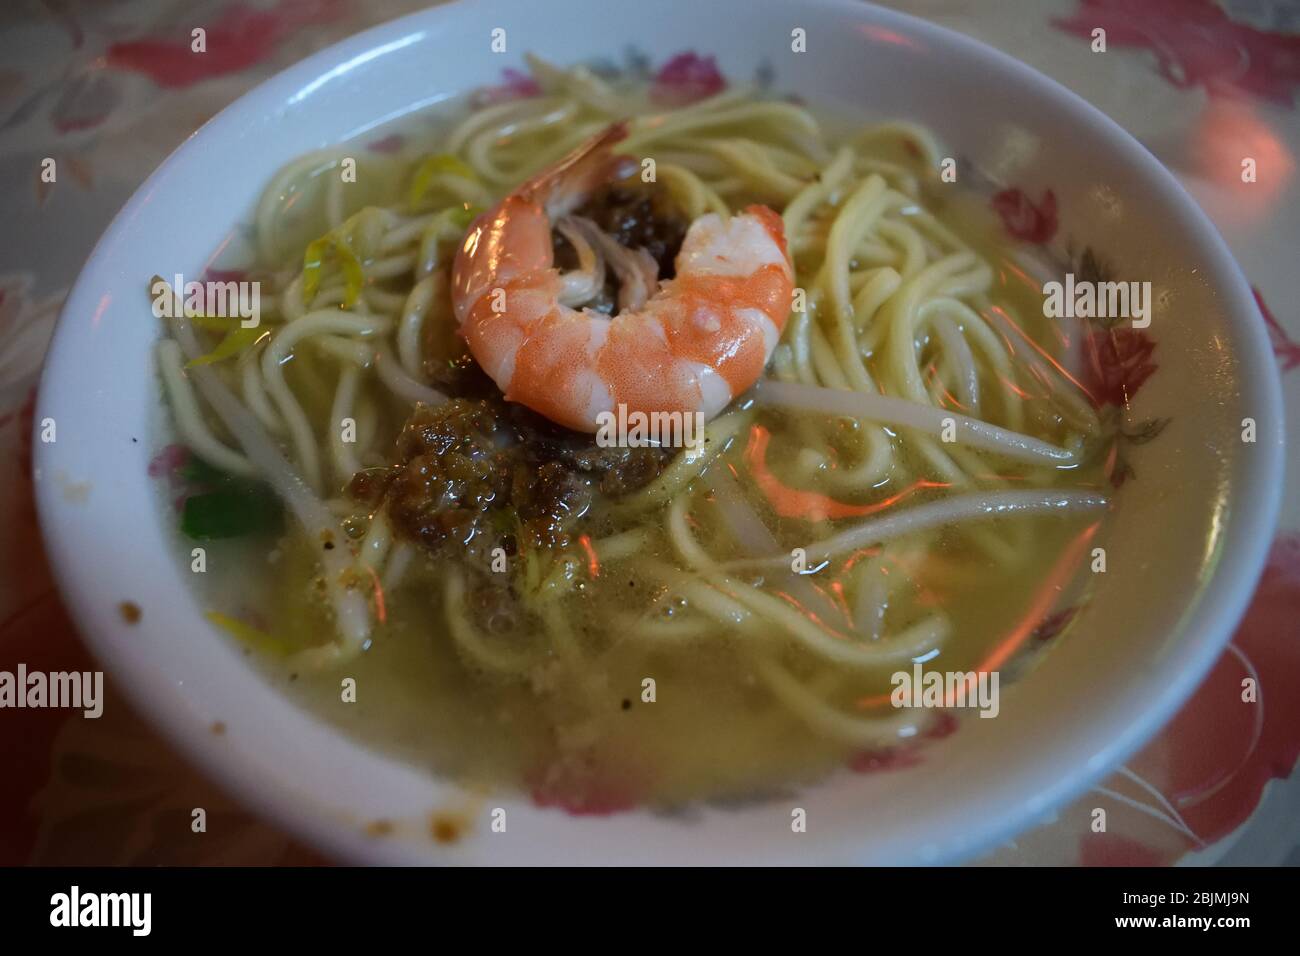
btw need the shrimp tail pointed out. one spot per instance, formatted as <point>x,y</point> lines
<point>562,188</point>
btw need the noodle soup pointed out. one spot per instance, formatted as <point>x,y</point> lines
<point>916,480</point>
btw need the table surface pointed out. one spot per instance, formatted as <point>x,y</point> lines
<point>107,90</point>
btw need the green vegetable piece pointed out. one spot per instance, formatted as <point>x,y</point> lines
<point>235,341</point>
<point>431,167</point>
<point>196,471</point>
<point>234,509</point>
<point>313,262</point>
<point>247,634</point>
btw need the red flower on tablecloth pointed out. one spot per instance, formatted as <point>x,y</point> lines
<point>1023,218</point>
<point>240,37</point>
<point>1213,760</point>
<point>1197,44</point>
<point>1285,348</point>
<point>1215,796</point>
<point>1115,849</point>
<point>85,102</point>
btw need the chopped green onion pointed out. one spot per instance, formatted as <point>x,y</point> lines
<point>235,342</point>
<point>199,319</point>
<point>213,323</point>
<point>433,166</point>
<point>249,635</point>
<point>318,252</point>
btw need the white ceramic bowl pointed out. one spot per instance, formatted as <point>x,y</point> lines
<point>1185,546</point>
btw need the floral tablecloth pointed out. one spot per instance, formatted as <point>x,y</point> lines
<point>107,88</point>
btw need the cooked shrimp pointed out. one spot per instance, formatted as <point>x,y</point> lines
<point>698,341</point>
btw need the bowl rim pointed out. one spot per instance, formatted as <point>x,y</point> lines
<point>1222,604</point>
